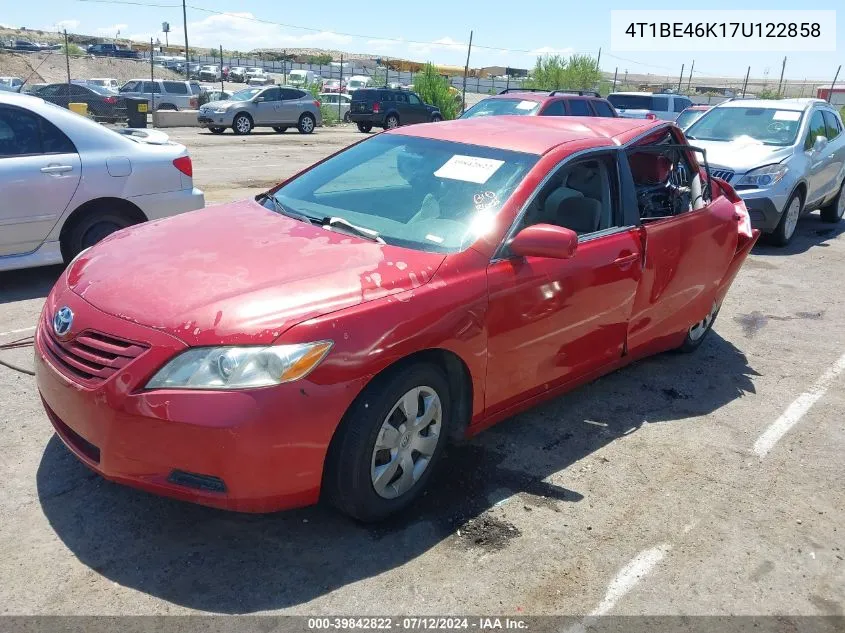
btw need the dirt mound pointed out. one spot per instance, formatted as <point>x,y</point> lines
<point>51,67</point>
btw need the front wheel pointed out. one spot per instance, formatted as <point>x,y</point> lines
<point>365,127</point>
<point>699,331</point>
<point>307,123</point>
<point>388,443</point>
<point>242,124</point>
<point>836,209</point>
<point>785,229</point>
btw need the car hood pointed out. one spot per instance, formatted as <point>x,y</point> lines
<point>239,274</point>
<point>741,154</point>
<point>222,103</point>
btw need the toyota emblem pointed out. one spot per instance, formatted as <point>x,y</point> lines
<point>62,321</point>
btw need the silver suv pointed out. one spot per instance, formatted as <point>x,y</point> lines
<point>649,105</point>
<point>278,107</point>
<point>163,94</point>
<point>784,157</point>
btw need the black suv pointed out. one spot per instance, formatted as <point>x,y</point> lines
<point>387,108</point>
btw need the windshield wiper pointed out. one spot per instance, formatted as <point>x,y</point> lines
<point>279,207</point>
<point>360,231</point>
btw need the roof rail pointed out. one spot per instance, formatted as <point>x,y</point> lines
<point>582,93</point>
<point>507,90</point>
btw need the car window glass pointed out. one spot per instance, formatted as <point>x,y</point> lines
<point>555,108</point>
<point>579,107</point>
<point>150,86</point>
<point>176,87</point>
<point>817,128</point>
<point>289,94</point>
<point>78,91</point>
<point>129,86</point>
<point>19,133</point>
<point>602,108</point>
<point>53,140</point>
<point>414,99</point>
<point>272,94</point>
<point>665,183</point>
<point>832,124</point>
<point>582,196</point>
<point>660,104</point>
<point>400,97</point>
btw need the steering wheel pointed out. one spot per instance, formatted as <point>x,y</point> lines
<point>776,127</point>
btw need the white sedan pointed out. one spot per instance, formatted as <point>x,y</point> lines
<point>68,182</point>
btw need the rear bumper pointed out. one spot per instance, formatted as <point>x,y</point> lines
<point>373,119</point>
<point>163,205</point>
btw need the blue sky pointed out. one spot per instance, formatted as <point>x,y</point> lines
<point>433,30</point>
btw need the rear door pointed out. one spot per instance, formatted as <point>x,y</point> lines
<point>689,243</point>
<point>291,105</point>
<point>40,171</point>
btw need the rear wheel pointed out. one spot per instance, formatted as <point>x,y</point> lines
<point>391,122</point>
<point>281,129</point>
<point>365,127</point>
<point>92,228</point>
<point>217,130</point>
<point>307,123</point>
<point>836,209</point>
<point>346,118</point>
<point>436,118</point>
<point>242,124</point>
<point>785,229</point>
<point>388,443</point>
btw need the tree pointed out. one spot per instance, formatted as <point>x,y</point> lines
<point>435,90</point>
<point>555,72</point>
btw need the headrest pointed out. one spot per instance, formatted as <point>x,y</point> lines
<point>649,168</point>
<point>556,198</point>
<point>582,215</point>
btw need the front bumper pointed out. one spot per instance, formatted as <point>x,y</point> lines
<point>265,446</point>
<point>765,206</point>
<point>211,119</point>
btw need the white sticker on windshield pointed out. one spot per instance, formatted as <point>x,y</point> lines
<point>786,115</point>
<point>434,238</point>
<point>469,168</point>
<point>526,105</point>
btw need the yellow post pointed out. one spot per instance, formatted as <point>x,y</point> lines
<point>79,108</point>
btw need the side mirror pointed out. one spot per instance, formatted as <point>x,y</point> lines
<point>544,240</point>
<point>820,143</point>
<point>260,99</point>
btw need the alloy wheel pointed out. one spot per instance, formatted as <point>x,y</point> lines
<point>307,124</point>
<point>791,220</point>
<point>700,329</point>
<point>406,442</point>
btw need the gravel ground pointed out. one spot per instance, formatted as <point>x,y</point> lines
<point>640,493</point>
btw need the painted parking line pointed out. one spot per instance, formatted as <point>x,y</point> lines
<point>799,407</point>
<point>20,331</point>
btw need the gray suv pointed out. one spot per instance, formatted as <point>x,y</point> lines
<point>784,157</point>
<point>163,94</point>
<point>278,107</point>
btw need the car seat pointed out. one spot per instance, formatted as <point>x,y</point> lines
<point>581,214</point>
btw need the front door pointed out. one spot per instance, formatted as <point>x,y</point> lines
<point>268,107</point>
<point>818,178</point>
<point>551,321</point>
<point>417,112</point>
<point>40,171</point>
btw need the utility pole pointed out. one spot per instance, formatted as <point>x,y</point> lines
<point>780,83</point>
<point>221,67</point>
<point>833,83</point>
<point>67,60</point>
<point>689,80</point>
<point>681,78</point>
<point>615,73</point>
<point>745,85</point>
<point>340,90</point>
<point>187,54</point>
<point>466,70</point>
<point>598,61</point>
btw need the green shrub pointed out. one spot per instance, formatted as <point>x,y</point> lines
<point>554,72</point>
<point>72,50</point>
<point>434,89</point>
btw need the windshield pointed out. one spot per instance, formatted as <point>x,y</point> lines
<point>419,193</point>
<point>631,102</point>
<point>246,94</point>
<point>688,117</point>
<point>769,126</point>
<point>490,107</point>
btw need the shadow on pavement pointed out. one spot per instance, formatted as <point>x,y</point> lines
<point>811,232</point>
<point>234,563</point>
<point>29,283</point>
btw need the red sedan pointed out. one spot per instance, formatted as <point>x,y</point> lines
<point>329,338</point>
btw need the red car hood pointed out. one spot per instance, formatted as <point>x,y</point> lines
<point>239,274</point>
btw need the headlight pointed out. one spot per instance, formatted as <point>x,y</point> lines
<point>239,367</point>
<point>221,110</point>
<point>763,177</point>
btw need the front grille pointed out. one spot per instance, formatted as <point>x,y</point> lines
<point>90,357</point>
<point>724,174</point>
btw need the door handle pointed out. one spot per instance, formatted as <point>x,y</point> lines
<point>56,169</point>
<point>622,260</point>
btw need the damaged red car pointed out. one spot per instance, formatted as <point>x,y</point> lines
<point>327,339</point>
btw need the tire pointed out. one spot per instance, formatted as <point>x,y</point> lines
<point>365,127</point>
<point>92,228</point>
<point>242,124</point>
<point>306,124</point>
<point>699,331</point>
<point>355,461</point>
<point>280,129</point>
<point>785,230</point>
<point>391,122</point>
<point>834,211</point>
<point>217,130</point>
<point>347,118</point>
<point>436,118</point>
